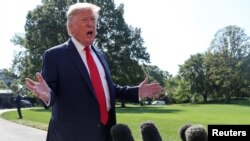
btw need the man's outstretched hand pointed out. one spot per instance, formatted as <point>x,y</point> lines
<point>40,89</point>
<point>149,89</point>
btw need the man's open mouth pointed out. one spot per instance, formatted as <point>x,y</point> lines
<point>90,33</point>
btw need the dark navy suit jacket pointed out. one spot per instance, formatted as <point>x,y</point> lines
<point>75,112</point>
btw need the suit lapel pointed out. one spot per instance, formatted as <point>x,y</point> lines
<point>78,63</point>
<point>80,66</point>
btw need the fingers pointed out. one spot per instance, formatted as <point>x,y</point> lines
<point>30,84</point>
<point>155,88</point>
<point>145,81</point>
<point>154,85</point>
<point>37,93</point>
<point>40,77</point>
<point>159,89</point>
<point>40,89</point>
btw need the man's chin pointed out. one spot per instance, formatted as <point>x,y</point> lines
<point>89,42</point>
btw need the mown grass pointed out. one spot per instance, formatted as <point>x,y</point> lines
<point>36,117</point>
<point>168,119</point>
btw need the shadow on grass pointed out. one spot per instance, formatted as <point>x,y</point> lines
<point>158,110</point>
<point>129,109</point>
<point>40,109</point>
<point>233,101</point>
<point>242,102</point>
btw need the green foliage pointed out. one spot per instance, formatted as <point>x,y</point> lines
<point>122,44</point>
<point>156,74</point>
<point>171,85</point>
<point>16,85</point>
<point>194,72</point>
<point>46,27</point>
<point>223,71</point>
<point>7,75</point>
<point>228,50</point>
<point>182,93</point>
<point>245,66</point>
<point>197,98</point>
<point>3,85</point>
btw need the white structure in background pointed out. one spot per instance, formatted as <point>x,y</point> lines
<point>158,102</point>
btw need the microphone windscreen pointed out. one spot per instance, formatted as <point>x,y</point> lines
<point>121,132</point>
<point>182,131</point>
<point>196,133</point>
<point>149,132</point>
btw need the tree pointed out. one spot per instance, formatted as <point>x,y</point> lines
<point>171,85</point>
<point>229,48</point>
<point>246,69</point>
<point>3,86</point>
<point>7,77</point>
<point>193,71</point>
<point>121,43</point>
<point>156,74</point>
<point>46,27</point>
<point>182,92</point>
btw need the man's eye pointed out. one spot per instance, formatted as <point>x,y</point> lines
<point>84,20</point>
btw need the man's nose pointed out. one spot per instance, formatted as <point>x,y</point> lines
<point>90,22</point>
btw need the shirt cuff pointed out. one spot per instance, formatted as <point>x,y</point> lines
<point>139,95</point>
<point>47,103</point>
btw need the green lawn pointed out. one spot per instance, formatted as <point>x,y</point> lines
<point>168,119</point>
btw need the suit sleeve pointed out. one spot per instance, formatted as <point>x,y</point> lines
<point>127,93</point>
<point>124,93</point>
<point>49,73</point>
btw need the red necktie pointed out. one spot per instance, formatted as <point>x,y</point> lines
<point>97,83</point>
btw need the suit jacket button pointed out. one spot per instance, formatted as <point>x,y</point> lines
<point>99,125</point>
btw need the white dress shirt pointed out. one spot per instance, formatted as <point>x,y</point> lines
<point>81,51</point>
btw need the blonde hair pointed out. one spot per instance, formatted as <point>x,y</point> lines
<point>78,7</point>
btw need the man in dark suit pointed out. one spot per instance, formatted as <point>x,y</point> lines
<point>67,85</point>
<point>18,105</point>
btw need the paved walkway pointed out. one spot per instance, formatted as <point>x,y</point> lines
<point>10,131</point>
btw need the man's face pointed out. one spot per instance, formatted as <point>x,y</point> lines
<point>83,27</point>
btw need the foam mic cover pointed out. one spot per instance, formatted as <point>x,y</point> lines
<point>149,132</point>
<point>182,131</point>
<point>196,133</point>
<point>121,132</point>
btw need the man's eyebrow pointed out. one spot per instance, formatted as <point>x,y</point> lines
<point>84,18</point>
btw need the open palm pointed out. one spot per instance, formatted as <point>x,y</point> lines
<point>149,89</point>
<point>40,88</point>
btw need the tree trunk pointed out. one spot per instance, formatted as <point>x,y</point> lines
<point>123,105</point>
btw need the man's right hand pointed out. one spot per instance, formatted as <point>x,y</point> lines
<point>40,89</point>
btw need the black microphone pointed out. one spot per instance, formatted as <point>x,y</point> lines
<point>149,132</point>
<point>196,133</point>
<point>121,132</point>
<point>182,131</point>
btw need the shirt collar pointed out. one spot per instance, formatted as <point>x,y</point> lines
<point>80,47</point>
